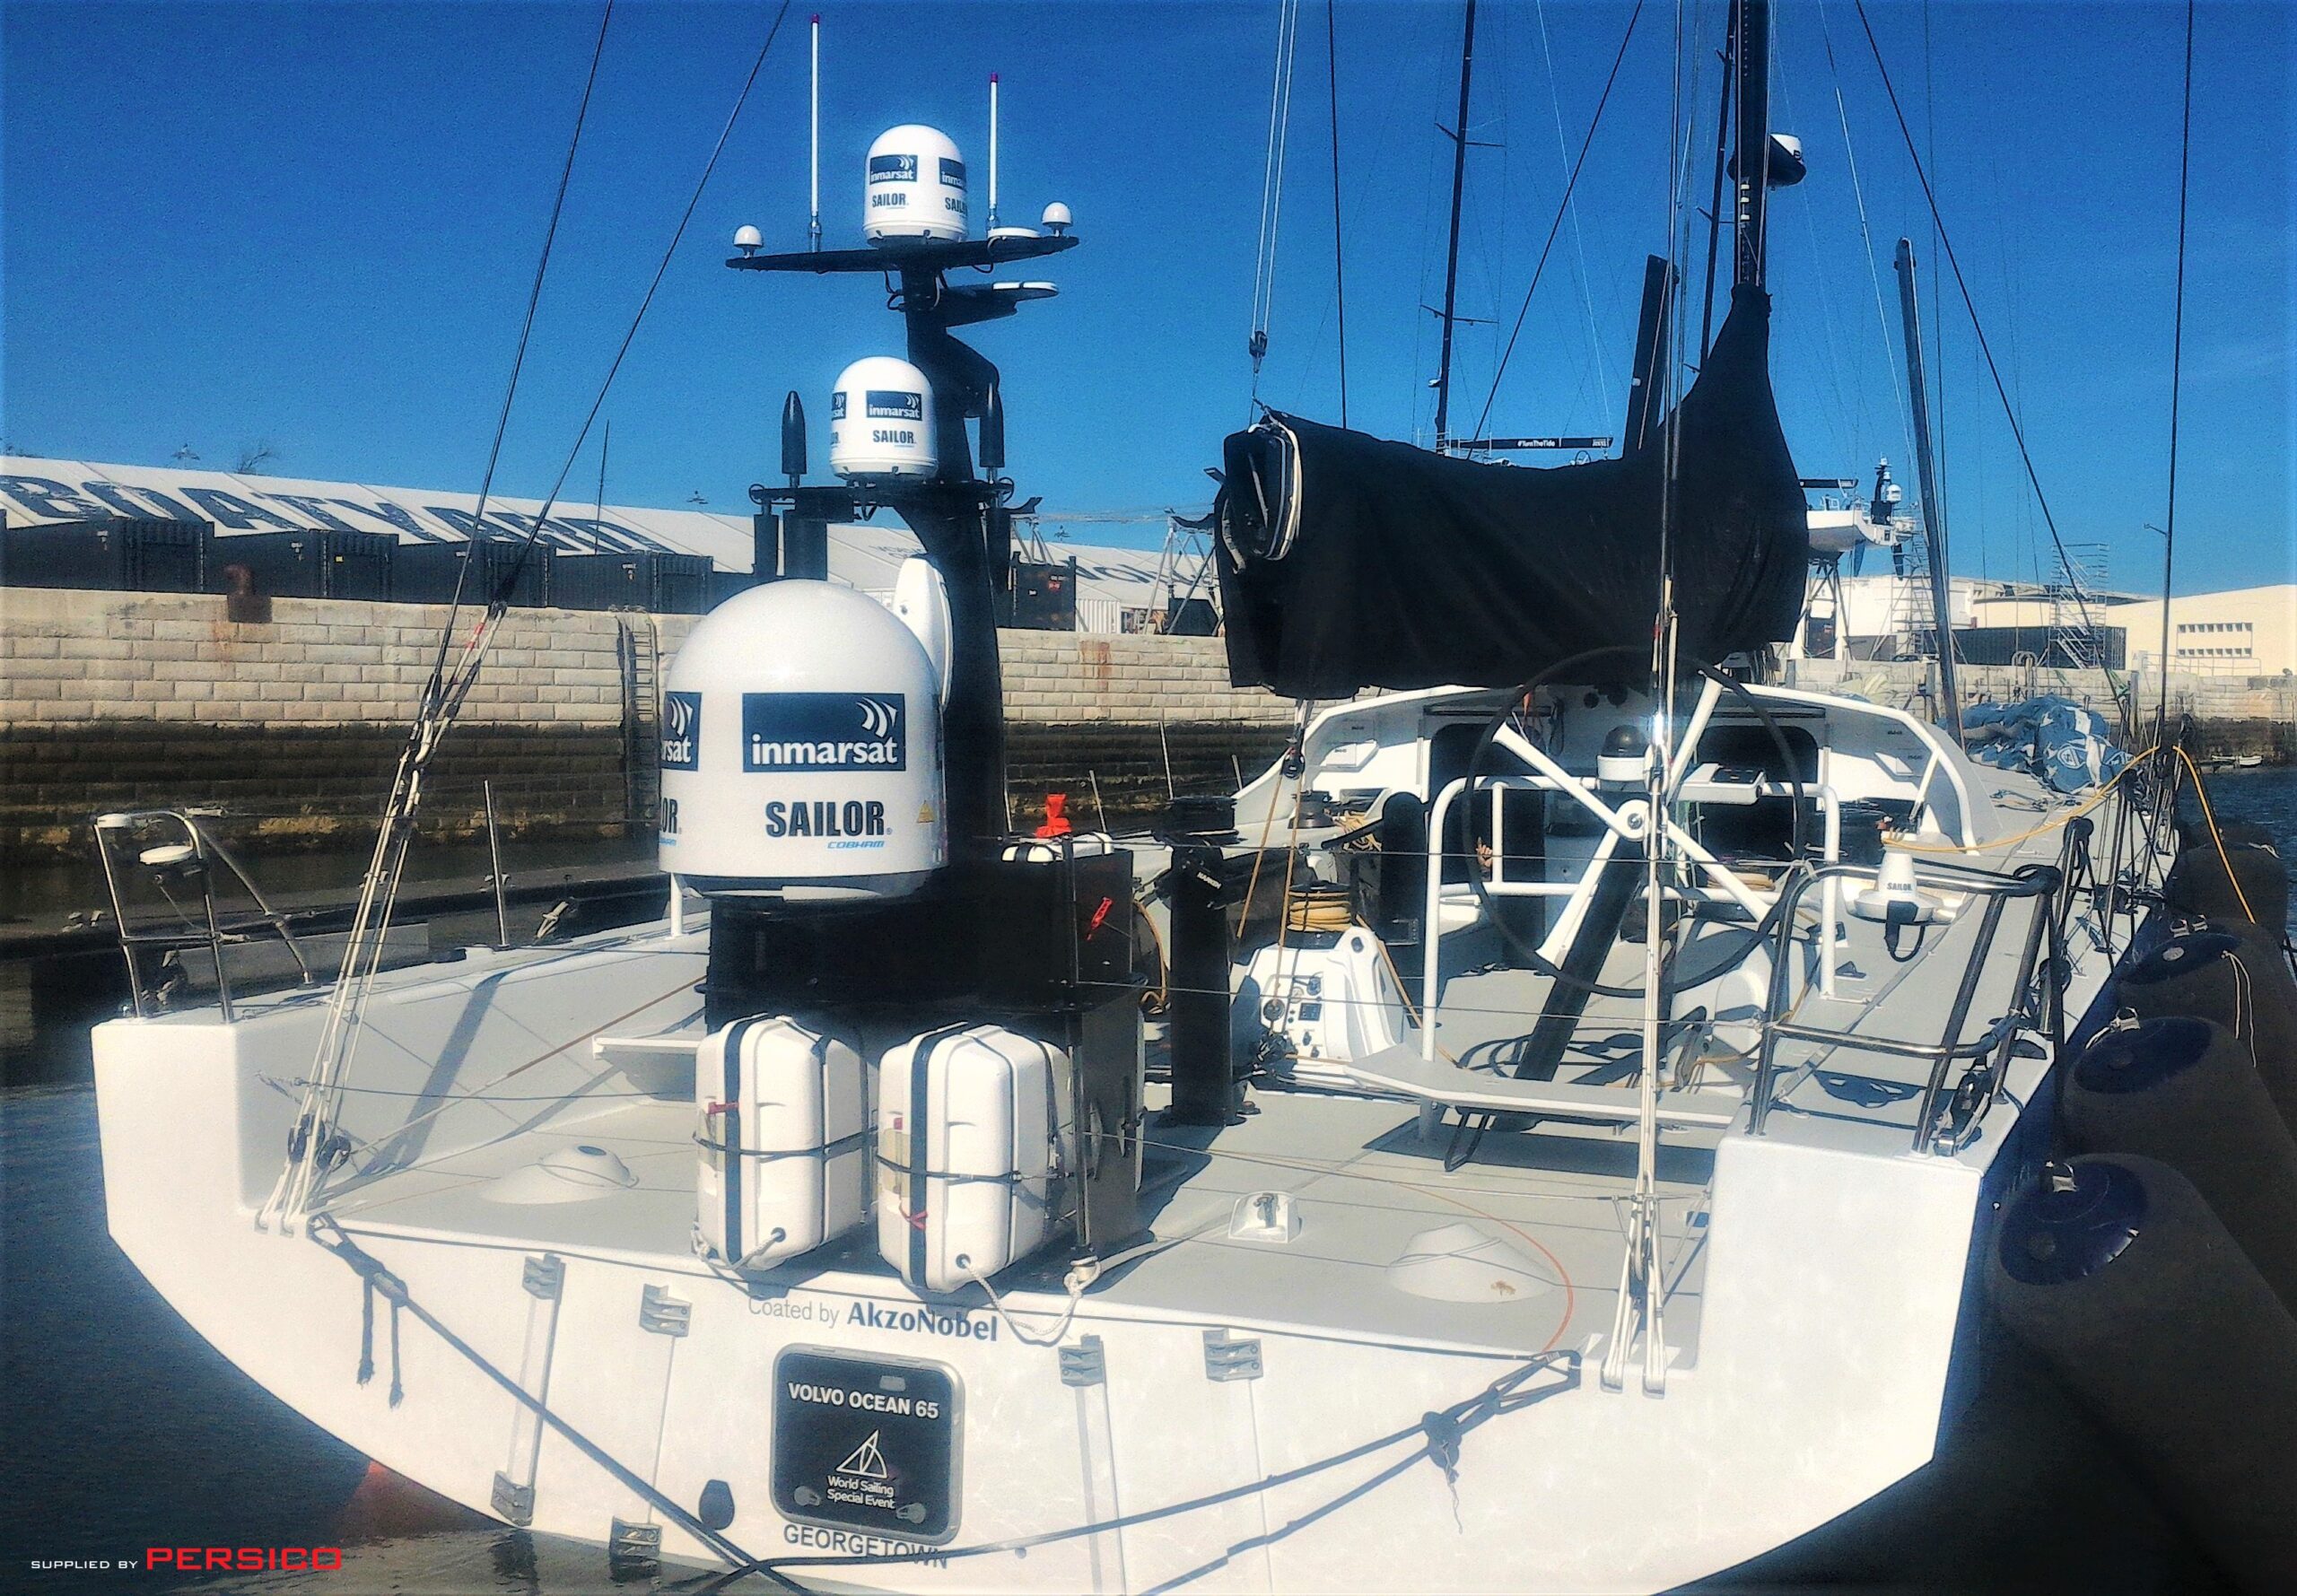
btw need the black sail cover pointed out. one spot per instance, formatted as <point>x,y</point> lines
<point>1348,561</point>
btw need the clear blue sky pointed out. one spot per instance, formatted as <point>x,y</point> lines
<point>314,223</point>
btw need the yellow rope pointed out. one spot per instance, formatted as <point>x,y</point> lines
<point>2209,819</point>
<point>2047,826</point>
<point>1267,825</point>
<point>2201,791</point>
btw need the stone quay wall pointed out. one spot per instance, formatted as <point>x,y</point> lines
<point>293,725</point>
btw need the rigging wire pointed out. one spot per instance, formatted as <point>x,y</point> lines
<point>314,1148</point>
<point>1339,257</point>
<point>371,919</point>
<point>525,334</point>
<point>1714,200</point>
<point>1578,235</point>
<point>1866,235</point>
<point>1845,419</point>
<point>1936,369</point>
<point>1271,186</point>
<point>661,269</point>
<point>2176,372</point>
<point>1538,268</point>
<point>1986,348</point>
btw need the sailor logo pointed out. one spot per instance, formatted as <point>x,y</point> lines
<point>681,731</point>
<point>894,405</point>
<point>824,731</point>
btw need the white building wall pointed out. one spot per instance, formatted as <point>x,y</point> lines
<point>2245,632</point>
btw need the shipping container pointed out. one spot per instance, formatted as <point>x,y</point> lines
<point>116,552</point>
<point>724,584</point>
<point>307,564</point>
<point>427,573</point>
<point>661,583</point>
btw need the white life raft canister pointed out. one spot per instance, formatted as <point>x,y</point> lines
<point>785,1133</point>
<point>972,1171</point>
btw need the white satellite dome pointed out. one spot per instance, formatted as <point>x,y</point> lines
<point>801,749</point>
<point>881,422</point>
<point>916,186</point>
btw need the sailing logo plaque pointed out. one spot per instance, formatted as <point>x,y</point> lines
<point>866,1444</point>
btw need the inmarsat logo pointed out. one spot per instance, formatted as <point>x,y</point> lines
<point>681,731</point>
<point>824,731</point>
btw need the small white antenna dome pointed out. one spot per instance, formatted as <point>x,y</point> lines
<point>748,239</point>
<point>1056,219</point>
<point>881,422</point>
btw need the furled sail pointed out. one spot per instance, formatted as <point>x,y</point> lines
<point>1349,561</point>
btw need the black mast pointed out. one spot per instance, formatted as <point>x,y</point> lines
<point>959,517</point>
<point>1715,198</point>
<point>1452,251</point>
<point>1751,171</point>
<point>1645,391</point>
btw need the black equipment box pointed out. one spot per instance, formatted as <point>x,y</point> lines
<point>427,573</point>
<point>307,564</point>
<point>1044,596</point>
<point>118,552</point>
<point>1192,617</point>
<point>1023,933</point>
<point>662,584</point>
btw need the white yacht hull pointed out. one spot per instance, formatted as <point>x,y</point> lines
<point>1832,1288</point>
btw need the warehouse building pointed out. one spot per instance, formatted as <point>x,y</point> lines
<point>1107,589</point>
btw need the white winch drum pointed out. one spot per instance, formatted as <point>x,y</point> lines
<point>801,749</point>
<point>881,422</point>
<point>916,186</point>
<point>970,1174</point>
<point>785,1135</point>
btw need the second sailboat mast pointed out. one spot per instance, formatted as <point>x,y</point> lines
<point>1452,251</point>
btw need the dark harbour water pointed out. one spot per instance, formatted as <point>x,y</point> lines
<point>120,1429</point>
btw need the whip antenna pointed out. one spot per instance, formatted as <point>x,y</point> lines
<point>814,142</point>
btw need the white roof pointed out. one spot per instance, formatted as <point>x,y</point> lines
<point>36,492</point>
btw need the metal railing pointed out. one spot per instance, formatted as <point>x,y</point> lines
<point>148,838</point>
<point>2037,1000</point>
<point>1629,820</point>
